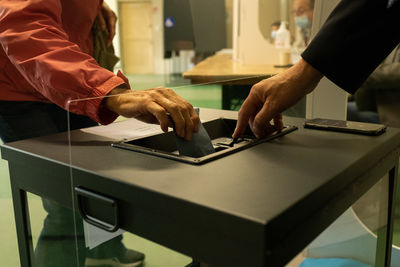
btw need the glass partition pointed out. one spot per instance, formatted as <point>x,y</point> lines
<point>99,203</point>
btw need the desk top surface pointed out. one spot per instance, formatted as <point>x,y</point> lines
<point>222,67</point>
<point>258,185</point>
<point>281,172</point>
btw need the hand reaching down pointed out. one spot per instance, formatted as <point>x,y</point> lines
<point>155,105</point>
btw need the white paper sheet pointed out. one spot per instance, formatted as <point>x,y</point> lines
<point>127,129</point>
<point>95,236</point>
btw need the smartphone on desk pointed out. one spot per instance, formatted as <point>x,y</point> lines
<point>345,126</point>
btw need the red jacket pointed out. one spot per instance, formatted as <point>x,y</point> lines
<point>45,56</point>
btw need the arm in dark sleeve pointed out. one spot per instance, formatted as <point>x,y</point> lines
<point>355,39</point>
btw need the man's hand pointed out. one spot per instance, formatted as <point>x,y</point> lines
<point>107,20</point>
<point>269,98</point>
<point>155,105</point>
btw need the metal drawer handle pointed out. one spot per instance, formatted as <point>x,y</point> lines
<point>83,193</point>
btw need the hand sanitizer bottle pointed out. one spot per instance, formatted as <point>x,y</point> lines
<point>282,40</point>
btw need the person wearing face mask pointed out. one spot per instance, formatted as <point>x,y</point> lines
<point>303,11</point>
<point>274,28</point>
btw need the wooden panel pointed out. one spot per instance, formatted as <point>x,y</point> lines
<point>137,37</point>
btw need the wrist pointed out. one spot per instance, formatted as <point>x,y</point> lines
<point>112,100</point>
<point>310,75</point>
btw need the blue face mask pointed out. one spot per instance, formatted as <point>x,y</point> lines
<point>302,22</point>
<point>273,34</point>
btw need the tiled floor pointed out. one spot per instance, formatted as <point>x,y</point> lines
<point>157,256</point>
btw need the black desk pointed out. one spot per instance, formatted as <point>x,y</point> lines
<point>258,207</point>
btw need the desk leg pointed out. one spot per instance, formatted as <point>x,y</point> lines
<point>385,234</point>
<point>22,223</point>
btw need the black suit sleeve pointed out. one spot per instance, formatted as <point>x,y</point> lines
<point>354,40</point>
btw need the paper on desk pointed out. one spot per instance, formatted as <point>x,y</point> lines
<point>127,129</point>
<point>95,236</point>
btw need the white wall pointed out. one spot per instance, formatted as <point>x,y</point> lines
<point>114,6</point>
<point>158,34</point>
<point>327,100</point>
<point>250,46</point>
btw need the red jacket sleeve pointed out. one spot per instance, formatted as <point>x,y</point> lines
<point>32,36</point>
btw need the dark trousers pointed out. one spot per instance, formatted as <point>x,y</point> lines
<point>60,242</point>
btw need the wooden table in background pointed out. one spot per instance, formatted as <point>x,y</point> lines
<point>232,75</point>
<point>221,68</point>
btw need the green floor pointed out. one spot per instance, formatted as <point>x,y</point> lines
<point>208,96</point>
<point>200,96</point>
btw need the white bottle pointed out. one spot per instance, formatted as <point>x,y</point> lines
<point>282,39</point>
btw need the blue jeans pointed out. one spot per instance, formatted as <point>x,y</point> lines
<point>57,244</point>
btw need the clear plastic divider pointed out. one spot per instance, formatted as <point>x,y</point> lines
<point>106,180</point>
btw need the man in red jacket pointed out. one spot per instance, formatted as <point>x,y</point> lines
<point>46,57</point>
<point>46,61</point>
